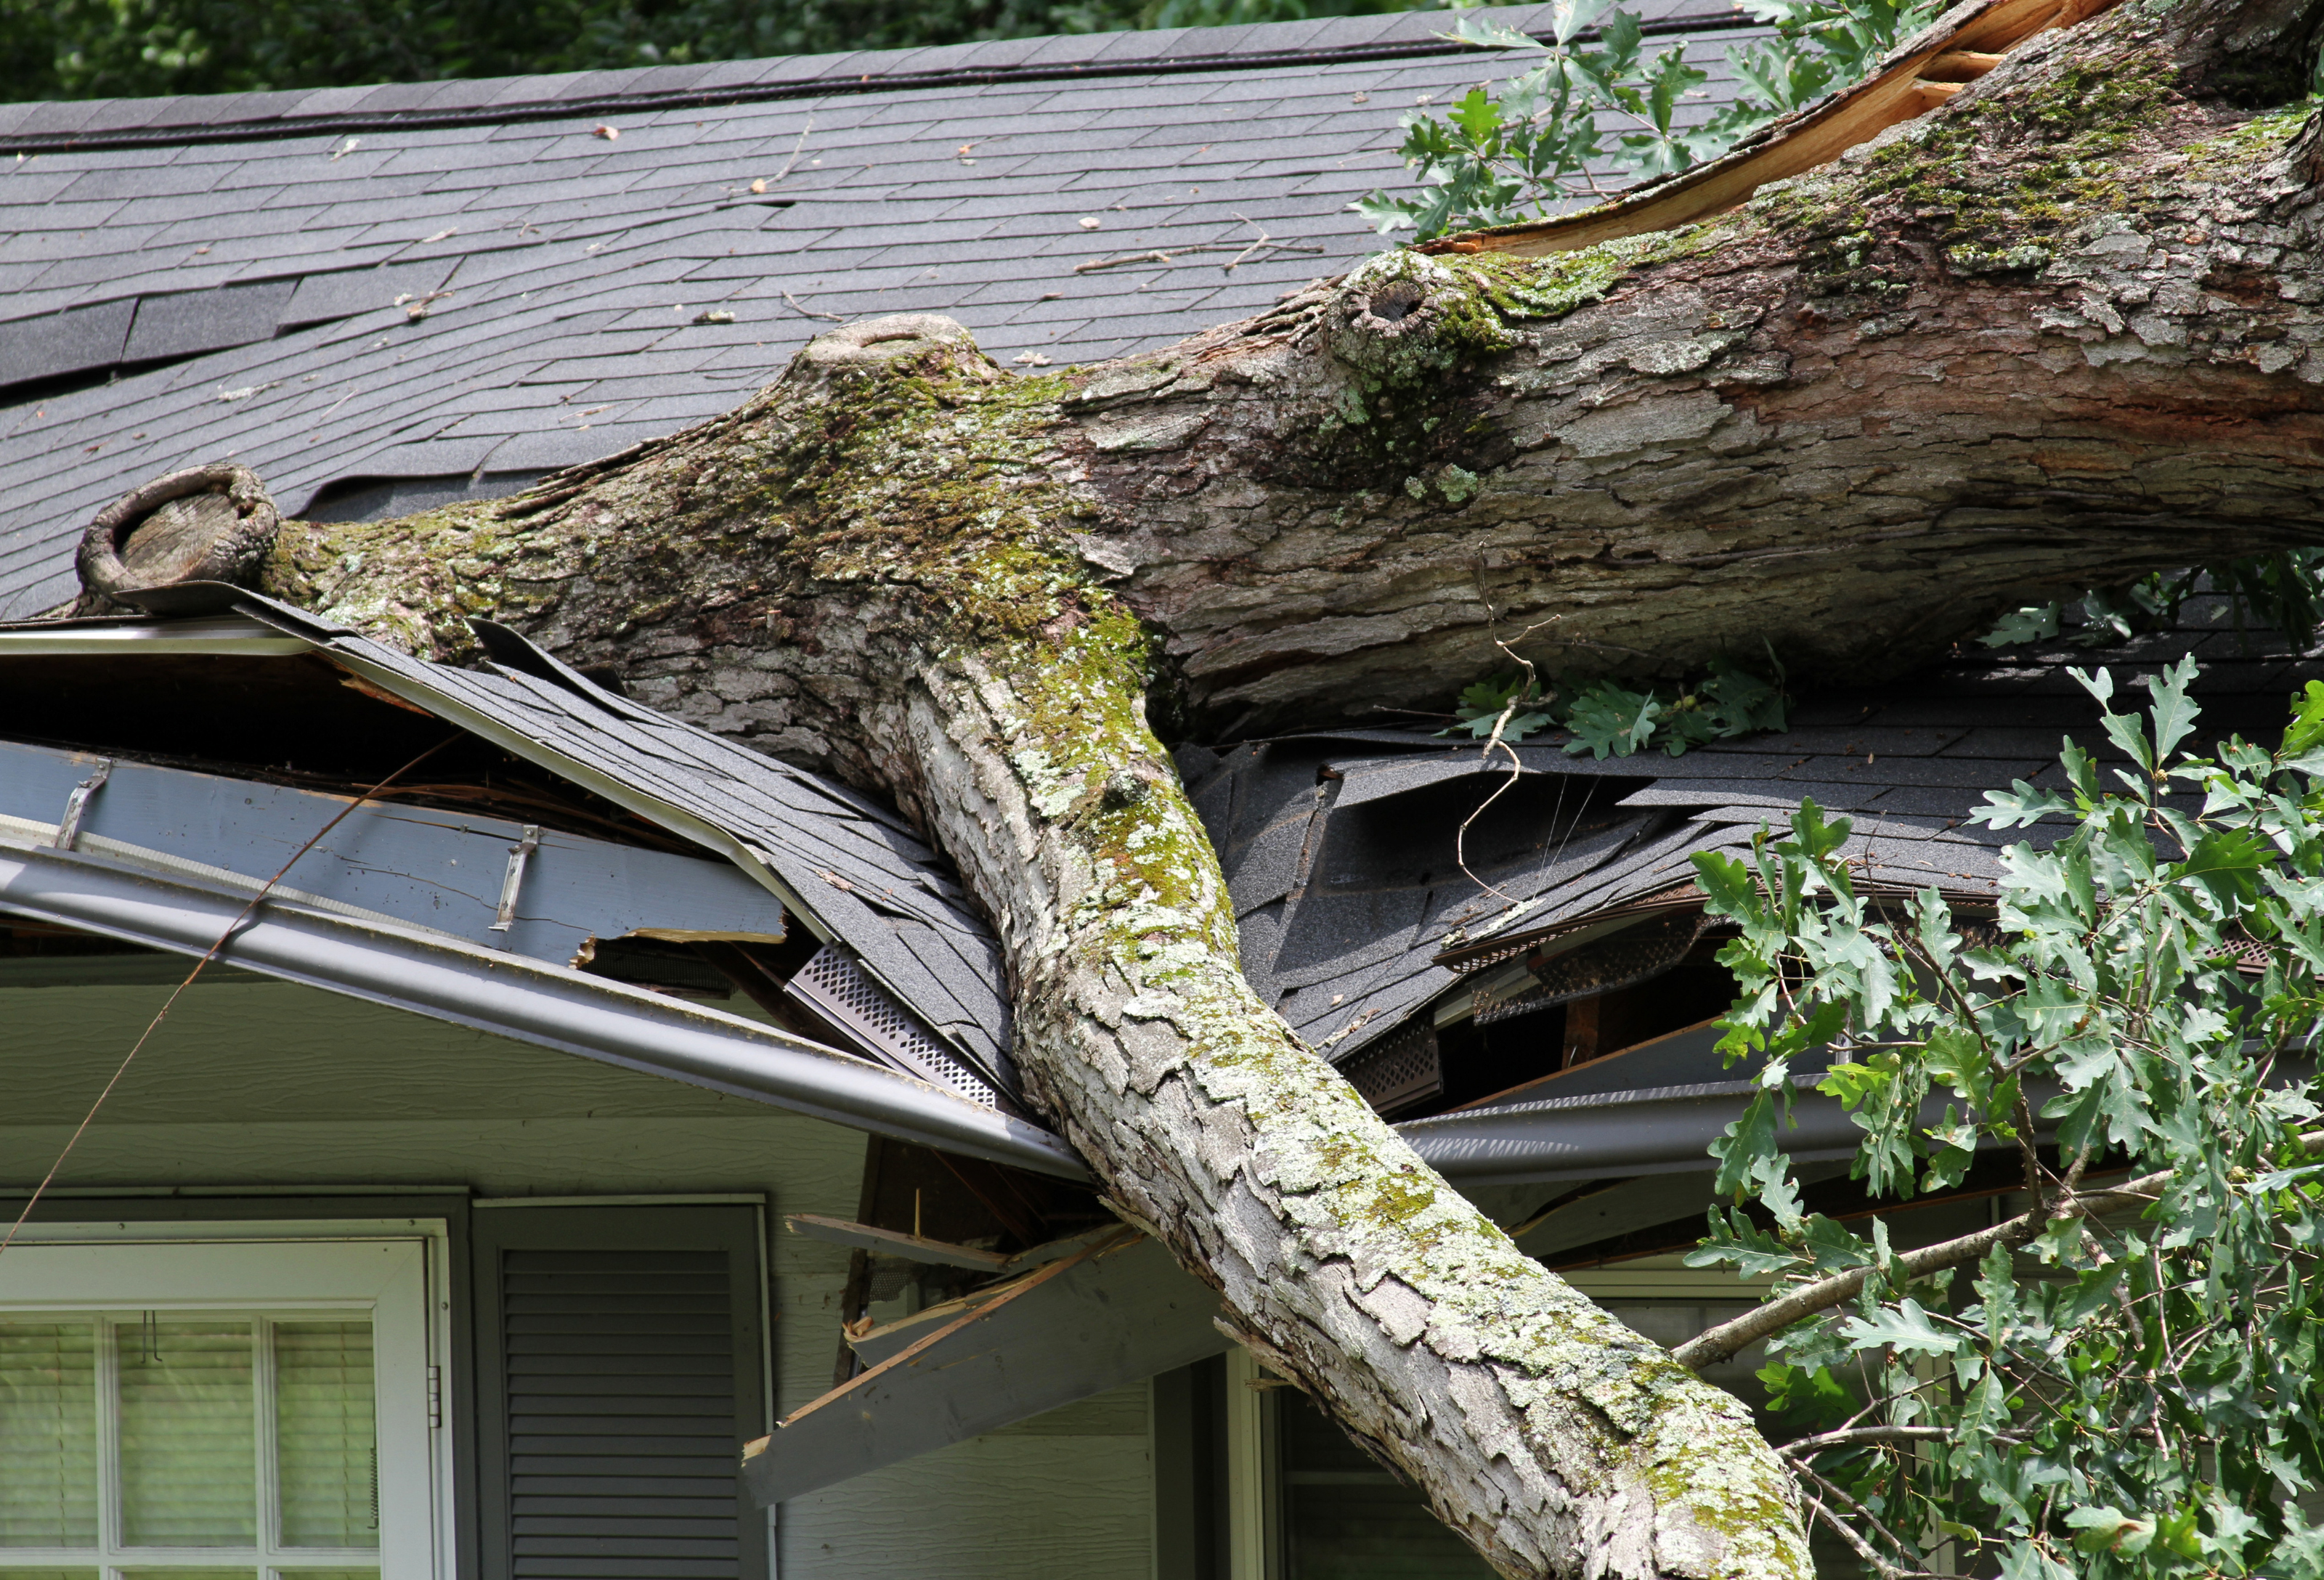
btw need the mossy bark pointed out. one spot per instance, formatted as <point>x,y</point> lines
<point>2058,332</point>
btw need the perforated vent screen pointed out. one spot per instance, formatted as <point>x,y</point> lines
<point>1398,1070</point>
<point>836,988</point>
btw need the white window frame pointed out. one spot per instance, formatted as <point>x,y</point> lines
<point>395,1271</point>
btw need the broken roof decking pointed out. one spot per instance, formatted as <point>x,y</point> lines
<point>849,870</point>
<point>1338,847</point>
<point>854,870</point>
<point>242,237</point>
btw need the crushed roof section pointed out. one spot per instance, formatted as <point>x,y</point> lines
<point>1339,848</point>
<point>336,289</point>
<point>853,869</point>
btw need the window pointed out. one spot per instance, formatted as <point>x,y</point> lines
<point>216,1411</point>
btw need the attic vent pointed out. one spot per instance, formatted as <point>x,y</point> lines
<point>1397,1071</point>
<point>838,990</point>
<point>1623,961</point>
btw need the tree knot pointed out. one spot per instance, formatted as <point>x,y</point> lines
<point>898,345</point>
<point>1405,316</point>
<point>1125,786</point>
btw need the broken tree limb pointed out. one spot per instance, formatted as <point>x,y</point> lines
<point>1727,1339</point>
<point>1918,76</point>
<point>1118,1312</point>
<point>1850,419</point>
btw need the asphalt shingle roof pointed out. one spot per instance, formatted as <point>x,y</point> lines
<point>1339,848</point>
<point>184,280</point>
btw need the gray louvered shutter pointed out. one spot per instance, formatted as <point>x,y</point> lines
<point>626,1381</point>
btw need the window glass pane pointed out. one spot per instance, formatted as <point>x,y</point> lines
<point>297,1575</point>
<point>188,1453</point>
<point>327,1464</point>
<point>188,1575</point>
<point>48,1436</point>
<point>7,1574</point>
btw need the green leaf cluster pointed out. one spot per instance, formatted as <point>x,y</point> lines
<point>2283,593</point>
<point>2131,1396</point>
<point>1608,717</point>
<point>1599,109</point>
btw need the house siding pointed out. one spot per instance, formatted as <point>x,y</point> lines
<point>269,1086</point>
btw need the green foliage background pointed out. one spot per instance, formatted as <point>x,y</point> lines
<point>107,48</point>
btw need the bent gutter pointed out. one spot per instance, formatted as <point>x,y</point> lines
<point>550,1006</point>
<point>1660,1130</point>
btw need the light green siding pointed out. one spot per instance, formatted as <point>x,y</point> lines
<point>254,1083</point>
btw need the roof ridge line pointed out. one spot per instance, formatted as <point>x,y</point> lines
<point>276,127</point>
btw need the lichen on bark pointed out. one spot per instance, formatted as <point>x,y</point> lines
<point>898,490</point>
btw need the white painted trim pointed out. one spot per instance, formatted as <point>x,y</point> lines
<point>398,1270</point>
<point>1251,1545</point>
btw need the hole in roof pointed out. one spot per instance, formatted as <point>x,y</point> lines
<point>382,499</point>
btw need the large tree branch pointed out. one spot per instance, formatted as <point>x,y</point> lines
<point>1849,419</point>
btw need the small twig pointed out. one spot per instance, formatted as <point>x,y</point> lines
<point>209,954</point>
<point>1161,255</point>
<point>1848,1437</point>
<point>1229,268</point>
<point>1841,1494</point>
<point>1516,765</point>
<point>808,312</point>
<point>797,148</point>
<point>1847,1533</point>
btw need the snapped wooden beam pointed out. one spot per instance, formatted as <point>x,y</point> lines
<point>858,1237</point>
<point>893,1242</point>
<point>1116,1311</point>
<point>1982,30</point>
<point>1961,66</point>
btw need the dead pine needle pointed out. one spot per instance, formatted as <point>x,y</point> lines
<point>209,955</point>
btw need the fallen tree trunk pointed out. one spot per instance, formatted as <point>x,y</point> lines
<point>2057,333</point>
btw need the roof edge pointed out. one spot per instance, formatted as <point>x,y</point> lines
<point>817,80</point>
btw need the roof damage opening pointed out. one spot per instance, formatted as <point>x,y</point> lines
<point>295,719</point>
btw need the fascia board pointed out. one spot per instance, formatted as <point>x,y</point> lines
<point>678,822</point>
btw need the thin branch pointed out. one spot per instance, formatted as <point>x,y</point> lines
<point>797,148</point>
<point>1849,1436</point>
<point>809,312</point>
<point>1863,1549</point>
<point>1723,1342</point>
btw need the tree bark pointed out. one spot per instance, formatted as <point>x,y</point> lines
<point>2058,332</point>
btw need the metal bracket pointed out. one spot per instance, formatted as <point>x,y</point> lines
<point>75,804</point>
<point>520,853</point>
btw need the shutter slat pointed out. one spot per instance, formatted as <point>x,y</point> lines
<point>620,1415</point>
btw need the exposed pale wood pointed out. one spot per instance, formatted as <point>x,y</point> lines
<point>1799,143</point>
<point>890,1242</point>
<point>1961,66</point>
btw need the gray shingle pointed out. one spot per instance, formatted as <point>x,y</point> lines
<point>64,343</point>
<point>206,320</point>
